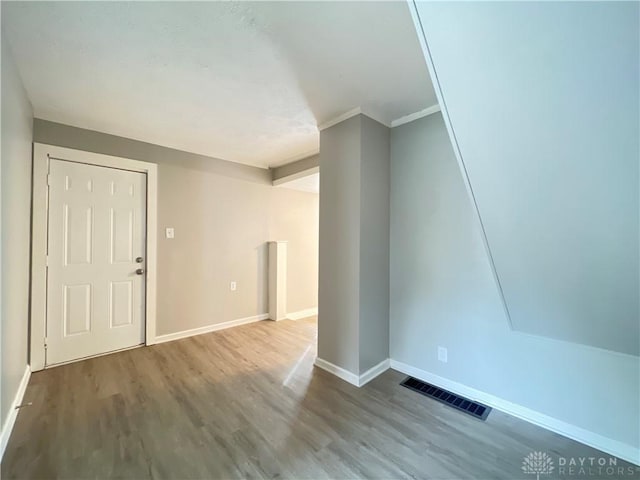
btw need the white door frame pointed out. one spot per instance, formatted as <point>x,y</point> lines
<point>41,155</point>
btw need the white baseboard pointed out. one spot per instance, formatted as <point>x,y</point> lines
<point>340,372</point>
<point>7,427</point>
<point>352,378</point>
<point>373,372</point>
<point>309,312</point>
<point>600,442</point>
<point>210,328</point>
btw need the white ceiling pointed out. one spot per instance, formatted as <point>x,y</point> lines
<point>242,81</point>
<point>310,183</point>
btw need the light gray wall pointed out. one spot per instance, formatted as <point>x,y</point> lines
<point>53,133</point>
<point>17,121</point>
<point>295,217</point>
<point>353,323</point>
<point>223,214</point>
<point>544,101</point>
<point>443,294</point>
<point>374,243</point>
<point>295,167</point>
<point>339,269</point>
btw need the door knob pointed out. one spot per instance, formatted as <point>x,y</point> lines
<point>139,260</point>
<point>140,271</point>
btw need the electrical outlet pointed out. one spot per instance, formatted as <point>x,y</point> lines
<point>170,233</point>
<point>442,354</point>
<point>233,286</point>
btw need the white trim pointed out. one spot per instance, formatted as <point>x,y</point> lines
<point>339,372</point>
<point>41,155</point>
<point>373,372</point>
<point>352,378</point>
<point>169,337</point>
<point>595,440</point>
<point>340,118</point>
<point>309,312</point>
<point>348,115</point>
<point>297,175</point>
<point>415,116</point>
<point>7,427</point>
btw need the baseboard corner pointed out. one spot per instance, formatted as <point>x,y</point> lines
<point>374,371</point>
<point>350,377</point>
<point>339,372</point>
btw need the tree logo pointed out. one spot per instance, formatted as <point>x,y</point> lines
<point>537,463</point>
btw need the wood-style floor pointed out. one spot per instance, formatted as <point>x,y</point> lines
<point>248,403</point>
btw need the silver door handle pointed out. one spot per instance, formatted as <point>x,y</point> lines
<point>140,271</point>
<point>139,260</point>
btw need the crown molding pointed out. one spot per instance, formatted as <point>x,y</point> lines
<point>351,113</point>
<point>415,116</point>
<point>394,123</point>
<point>340,118</point>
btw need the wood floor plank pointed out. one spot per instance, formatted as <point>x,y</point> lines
<point>247,402</point>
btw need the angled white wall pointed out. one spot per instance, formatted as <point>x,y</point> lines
<point>542,101</point>
<point>443,294</point>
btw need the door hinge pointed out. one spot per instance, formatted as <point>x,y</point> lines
<point>45,343</point>
<point>46,261</point>
<point>48,179</point>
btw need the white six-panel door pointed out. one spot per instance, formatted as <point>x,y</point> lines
<point>95,275</point>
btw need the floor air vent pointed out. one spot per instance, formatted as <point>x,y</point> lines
<point>474,409</point>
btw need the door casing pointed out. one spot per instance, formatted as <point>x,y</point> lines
<point>42,153</point>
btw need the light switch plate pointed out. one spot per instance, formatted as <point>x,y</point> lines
<point>170,232</point>
<point>233,286</point>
